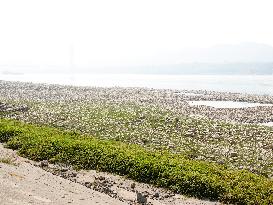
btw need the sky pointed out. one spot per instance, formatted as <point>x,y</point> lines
<point>123,32</point>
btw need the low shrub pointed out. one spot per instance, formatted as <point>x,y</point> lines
<point>161,168</point>
<point>7,132</point>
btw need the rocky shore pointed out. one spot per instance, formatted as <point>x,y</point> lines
<point>156,119</point>
<point>19,95</point>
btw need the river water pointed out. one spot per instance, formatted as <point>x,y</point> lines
<point>252,84</point>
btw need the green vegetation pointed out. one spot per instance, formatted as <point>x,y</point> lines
<point>151,135</point>
<point>7,160</point>
<point>238,146</point>
<point>162,168</point>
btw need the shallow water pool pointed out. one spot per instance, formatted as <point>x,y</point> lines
<point>270,124</point>
<point>226,104</point>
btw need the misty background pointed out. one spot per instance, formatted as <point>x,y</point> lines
<point>148,37</point>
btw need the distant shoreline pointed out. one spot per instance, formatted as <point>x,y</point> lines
<point>250,84</point>
<point>173,99</point>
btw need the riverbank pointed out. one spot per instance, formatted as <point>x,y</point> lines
<point>174,100</point>
<point>24,181</point>
<point>160,168</point>
<point>158,120</point>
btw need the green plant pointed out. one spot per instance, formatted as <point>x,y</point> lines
<point>7,160</point>
<point>162,168</point>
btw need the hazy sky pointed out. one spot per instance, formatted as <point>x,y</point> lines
<point>115,32</point>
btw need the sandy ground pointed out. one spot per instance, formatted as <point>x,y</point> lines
<point>23,181</point>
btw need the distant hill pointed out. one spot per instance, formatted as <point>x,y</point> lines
<point>197,68</point>
<point>216,68</point>
<point>244,58</point>
<point>239,59</point>
<point>237,53</point>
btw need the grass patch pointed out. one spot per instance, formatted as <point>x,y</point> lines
<point>191,177</point>
<point>238,146</point>
<point>7,160</point>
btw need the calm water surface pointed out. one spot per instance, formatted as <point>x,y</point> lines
<point>226,104</point>
<point>253,84</point>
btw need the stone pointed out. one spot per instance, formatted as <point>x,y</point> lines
<point>141,198</point>
<point>23,108</point>
<point>44,163</point>
<point>64,169</point>
<point>133,185</point>
<point>156,195</point>
<point>234,154</point>
<point>88,184</point>
<point>74,174</point>
<point>101,178</point>
<point>221,162</point>
<point>145,193</point>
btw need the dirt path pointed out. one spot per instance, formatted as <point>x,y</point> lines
<point>23,182</point>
